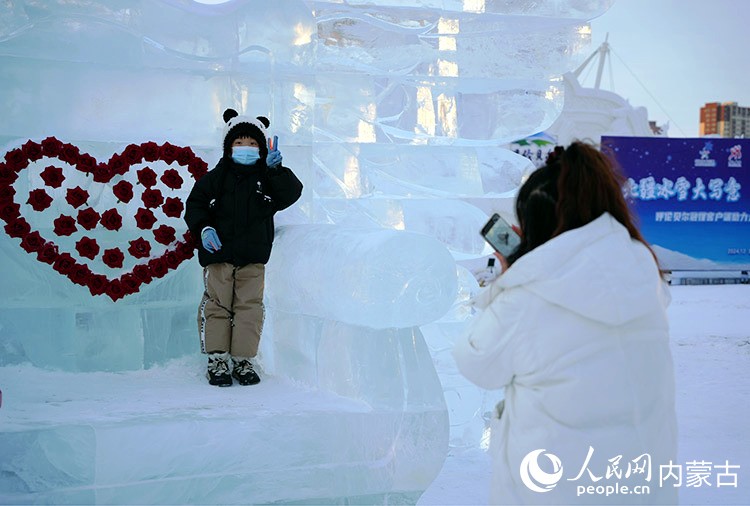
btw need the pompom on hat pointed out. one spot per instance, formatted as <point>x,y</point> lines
<point>244,126</point>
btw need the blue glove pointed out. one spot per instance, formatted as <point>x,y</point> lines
<point>210,240</point>
<point>273,159</point>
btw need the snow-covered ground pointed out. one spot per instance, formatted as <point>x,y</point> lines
<point>711,346</point>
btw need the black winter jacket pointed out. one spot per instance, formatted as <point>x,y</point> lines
<point>239,201</point>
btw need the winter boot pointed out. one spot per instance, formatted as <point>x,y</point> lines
<point>218,369</point>
<point>243,371</point>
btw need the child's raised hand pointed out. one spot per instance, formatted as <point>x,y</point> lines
<point>273,159</point>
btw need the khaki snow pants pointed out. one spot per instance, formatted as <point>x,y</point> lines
<point>230,316</point>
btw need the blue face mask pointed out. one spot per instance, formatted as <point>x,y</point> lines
<point>245,155</point>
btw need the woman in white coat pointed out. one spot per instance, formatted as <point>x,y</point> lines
<point>575,330</point>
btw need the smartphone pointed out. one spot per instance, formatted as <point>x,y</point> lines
<point>500,235</point>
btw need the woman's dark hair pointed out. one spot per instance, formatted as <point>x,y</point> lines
<point>575,187</point>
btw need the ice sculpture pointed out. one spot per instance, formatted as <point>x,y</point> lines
<point>391,112</point>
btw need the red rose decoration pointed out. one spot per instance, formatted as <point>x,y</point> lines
<point>152,198</point>
<point>157,267</point>
<point>39,200</point>
<point>80,275</point>
<point>64,263</point>
<point>51,147</point>
<point>123,191</point>
<point>185,250</point>
<point>168,152</point>
<point>77,196</point>
<point>172,179</point>
<point>173,259</point>
<point>87,248</point>
<point>164,234</point>
<point>86,163</point>
<point>88,218</point>
<point>32,242</point>
<point>145,218</point>
<point>130,283</point>
<point>64,225</point>
<point>173,207</point>
<point>133,154</point>
<point>114,290</point>
<point>53,176</point>
<point>184,156</point>
<point>150,151</point>
<point>113,258</point>
<point>197,168</point>
<point>7,175</point>
<point>32,150</point>
<point>69,154</point>
<point>142,272</point>
<point>16,160</point>
<point>97,284</point>
<point>118,165</point>
<point>18,228</point>
<point>139,248</point>
<point>6,194</point>
<point>146,176</point>
<point>47,253</point>
<point>102,173</point>
<point>111,220</point>
<point>10,211</point>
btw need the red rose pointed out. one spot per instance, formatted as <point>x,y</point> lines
<point>77,196</point>
<point>168,152</point>
<point>185,250</point>
<point>118,165</point>
<point>157,267</point>
<point>88,218</point>
<point>164,234</point>
<point>16,159</point>
<point>145,218</point>
<point>173,259</point>
<point>97,284</point>
<point>150,151</point>
<point>113,258</point>
<point>69,154</point>
<point>51,147</point>
<point>114,290</point>
<point>133,154</point>
<point>139,248</point>
<point>172,179</point>
<point>80,275</point>
<point>6,194</point>
<point>123,191</point>
<point>8,176</point>
<point>184,156</point>
<point>53,176</point>
<point>10,211</point>
<point>47,253</point>
<point>141,272</point>
<point>86,163</point>
<point>197,168</point>
<point>87,248</point>
<point>152,198</point>
<point>18,228</point>
<point>32,242</point>
<point>189,239</point>
<point>64,225</point>
<point>64,263</point>
<point>147,177</point>
<point>32,150</point>
<point>111,220</point>
<point>39,200</point>
<point>130,283</point>
<point>173,207</point>
<point>102,173</point>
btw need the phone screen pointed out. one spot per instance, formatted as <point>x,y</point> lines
<point>500,235</point>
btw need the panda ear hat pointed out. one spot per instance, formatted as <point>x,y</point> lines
<point>238,126</point>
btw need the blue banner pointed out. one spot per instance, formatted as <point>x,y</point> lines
<point>692,197</point>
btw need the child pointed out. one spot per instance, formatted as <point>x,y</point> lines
<point>231,209</point>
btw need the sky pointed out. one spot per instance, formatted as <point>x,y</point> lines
<point>684,53</point>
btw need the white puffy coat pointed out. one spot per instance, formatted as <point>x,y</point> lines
<point>576,332</point>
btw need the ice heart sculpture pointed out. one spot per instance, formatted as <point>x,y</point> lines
<point>109,226</point>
